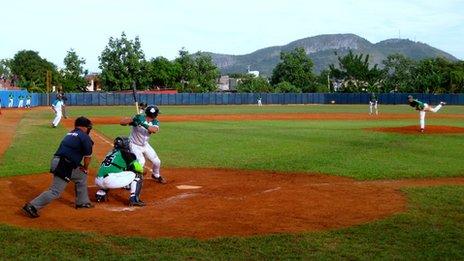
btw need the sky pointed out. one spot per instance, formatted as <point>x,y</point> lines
<point>53,27</point>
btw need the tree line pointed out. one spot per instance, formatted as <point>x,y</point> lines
<point>123,63</point>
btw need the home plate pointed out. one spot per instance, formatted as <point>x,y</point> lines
<point>188,187</point>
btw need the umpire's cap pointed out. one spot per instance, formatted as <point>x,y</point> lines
<point>83,122</point>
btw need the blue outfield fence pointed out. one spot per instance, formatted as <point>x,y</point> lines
<point>110,99</point>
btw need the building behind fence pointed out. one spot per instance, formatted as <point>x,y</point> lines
<point>110,99</point>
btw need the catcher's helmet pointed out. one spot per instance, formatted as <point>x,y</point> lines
<point>122,143</point>
<point>152,111</point>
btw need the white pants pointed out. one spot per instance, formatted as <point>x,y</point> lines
<point>10,103</point>
<point>20,104</point>
<point>115,180</point>
<point>146,151</point>
<point>28,103</point>
<point>373,105</point>
<point>260,103</point>
<point>57,119</point>
<point>422,113</point>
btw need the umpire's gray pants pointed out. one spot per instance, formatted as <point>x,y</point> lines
<point>59,185</point>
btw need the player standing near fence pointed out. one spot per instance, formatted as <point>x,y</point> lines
<point>57,107</point>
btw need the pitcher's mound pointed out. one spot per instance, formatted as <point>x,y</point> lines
<point>429,129</point>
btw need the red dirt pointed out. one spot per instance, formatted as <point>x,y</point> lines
<point>9,119</point>
<point>429,129</point>
<point>228,202</point>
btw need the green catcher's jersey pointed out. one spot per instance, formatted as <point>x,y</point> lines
<point>116,161</point>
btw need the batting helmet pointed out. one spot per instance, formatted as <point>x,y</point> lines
<point>122,143</point>
<point>152,111</point>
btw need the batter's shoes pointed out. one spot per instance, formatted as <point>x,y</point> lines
<point>159,179</point>
<point>136,202</point>
<point>85,205</point>
<point>30,211</point>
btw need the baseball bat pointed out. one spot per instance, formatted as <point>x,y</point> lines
<point>134,93</point>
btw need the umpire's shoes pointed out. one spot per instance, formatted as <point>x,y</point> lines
<point>136,202</point>
<point>85,205</point>
<point>30,211</point>
<point>159,179</point>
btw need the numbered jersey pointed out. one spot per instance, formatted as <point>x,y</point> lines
<point>115,162</point>
<point>139,135</point>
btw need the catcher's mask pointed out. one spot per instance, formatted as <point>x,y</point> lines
<point>122,143</point>
<point>152,111</point>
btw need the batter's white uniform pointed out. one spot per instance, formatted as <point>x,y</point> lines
<point>58,106</point>
<point>139,137</point>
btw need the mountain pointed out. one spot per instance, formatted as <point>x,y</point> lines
<point>323,50</point>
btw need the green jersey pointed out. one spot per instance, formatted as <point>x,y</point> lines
<point>417,104</point>
<point>117,161</point>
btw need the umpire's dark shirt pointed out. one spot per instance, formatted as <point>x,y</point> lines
<point>75,145</point>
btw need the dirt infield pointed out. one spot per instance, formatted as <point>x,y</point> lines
<point>209,203</point>
<point>9,119</point>
<point>430,129</point>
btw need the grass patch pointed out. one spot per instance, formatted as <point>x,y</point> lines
<point>333,147</point>
<point>432,228</point>
<point>76,111</point>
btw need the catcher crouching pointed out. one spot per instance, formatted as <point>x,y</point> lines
<point>119,169</point>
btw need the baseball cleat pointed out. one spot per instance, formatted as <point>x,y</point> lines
<point>136,202</point>
<point>159,179</point>
<point>442,103</point>
<point>85,205</point>
<point>30,211</point>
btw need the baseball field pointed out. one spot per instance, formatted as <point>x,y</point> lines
<point>248,182</point>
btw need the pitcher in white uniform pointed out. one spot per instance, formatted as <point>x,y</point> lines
<point>57,107</point>
<point>142,127</point>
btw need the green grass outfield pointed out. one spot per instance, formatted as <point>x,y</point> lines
<point>432,228</point>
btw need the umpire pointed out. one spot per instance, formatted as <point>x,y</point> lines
<point>66,166</point>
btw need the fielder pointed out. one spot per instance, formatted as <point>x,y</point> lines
<point>57,107</point>
<point>119,169</point>
<point>373,105</point>
<point>260,103</point>
<point>422,108</point>
<point>10,100</point>
<point>142,127</point>
<point>28,101</point>
<point>142,107</point>
<point>20,101</point>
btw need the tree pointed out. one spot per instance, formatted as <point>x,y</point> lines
<point>286,87</point>
<point>122,63</point>
<point>32,69</point>
<point>5,67</point>
<point>197,73</point>
<point>73,73</point>
<point>250,83</point>
<point>295,68</point>
<point>162,72</point>
<point>355,73</point>
<point>398,69</point>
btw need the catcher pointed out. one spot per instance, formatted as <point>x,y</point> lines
<point>423,107</point>
<point>119,169</point>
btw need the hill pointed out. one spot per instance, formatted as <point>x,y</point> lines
<point>324,49</point>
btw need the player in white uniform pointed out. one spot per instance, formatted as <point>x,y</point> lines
<point>57,107</point>
<point>142,127</point>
